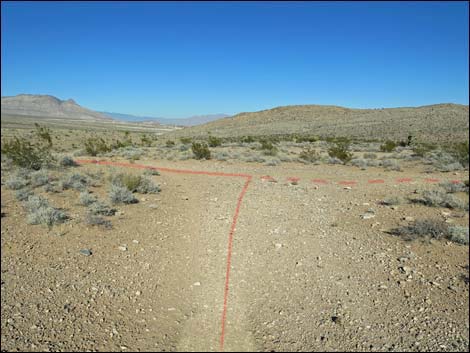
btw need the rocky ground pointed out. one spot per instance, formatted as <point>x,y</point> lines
<point>308,271</point>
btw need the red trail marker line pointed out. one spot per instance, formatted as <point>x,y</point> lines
<point>431,180</point>
<point>404,180</point>
<point>376,181</point>
<point>347,182</point>
<point>232,228</point>
<point>320,181</point>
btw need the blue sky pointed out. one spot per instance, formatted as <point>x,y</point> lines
<point>180,59</point>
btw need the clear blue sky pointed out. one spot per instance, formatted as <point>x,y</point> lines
<point>179,59</point>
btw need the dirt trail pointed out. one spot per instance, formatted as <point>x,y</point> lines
<point>307,273</point>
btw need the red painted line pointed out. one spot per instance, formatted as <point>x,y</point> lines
<point>170,170</point>
<point>404,180</point>
<point>229,260</point>
<point>293,179</point>
<point>376,181</point>
<point>232,228</point>
<point>456,181</point>
<point>267,177</point>
<point>347,182</point>
<point>320,181</point>
<point>431,180</point>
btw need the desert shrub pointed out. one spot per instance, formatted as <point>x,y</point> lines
<point>27,155</point>
<point>247,139</point>
<point>186,140</point>
<point>39,178</point>
<point>23,194</point>
<point>422,229</point>
<point>170,143</point>
<point>460,151</point>
<point>334,160</point>
<point>369,155</point>
<point>93,220</point>
<point>310,155</point>
<point>267,147</point>
<point>146,186</point>
<point>86,198</point>
<point>100,208</point>
<point>183,148</point>
<point>459,234</point>
<point>422,149</point>
<point>439,198</point>
<point>16,182</point>
<point>40,212</point>
<point>120,194</point>
<point>214,141</point>
<point>96,145</point>
<point>310,139</point>
<point>67,161</point>
<point>388,146</point>
<point>222,156</point>
<point>340,151</point>
<point>130,181</point>
<point>75,181</point>
<point>391,164</point>
<point>151,171</point>
<point>201,151</point>
<point>44,134</point>
<point>145,140</point>
<point>451,188</point>
<point>52,187</point>
<point>131,153</point>
<point>359,162</point>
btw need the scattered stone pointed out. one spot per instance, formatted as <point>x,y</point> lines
<point>86,252</point>
<point>367,215</point>
<point>138,293</point>
<point>409,219</point>
<point>123,247</point>
<point>405,269</point>
<point>135,241</point>
<point>196,284</point>
<point>152,205</point>
<point>278,245</point>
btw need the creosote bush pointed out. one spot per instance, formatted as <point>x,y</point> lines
<point>214,141</point>
<point>96,145</point>
<point>310,155</point>
<point>388,146</point>
<point>340,151</point>
<point>201,151</point>
<point>25,154</point>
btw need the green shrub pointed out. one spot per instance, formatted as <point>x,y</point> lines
<point>340,151</point>
<point>40,212</point>
<point>44,134</point>
<point>268,148</point>
<point>247,139</point>
<point>186,140</point>
<point>170,143</point>
<point>130,181</point>
<point>388,146</point>
<point>96,145</point>
<point>201,151</point>
<point>309,155</point>
<point>214,141</point>
<point>27,155</point>
<point>460,151</point>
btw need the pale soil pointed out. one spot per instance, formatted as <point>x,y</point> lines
<point>307,272</point>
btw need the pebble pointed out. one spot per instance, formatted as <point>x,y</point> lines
<point>367,215</point>
<point>123,247</point>
<point>86,252</point>
<point>196,284</point>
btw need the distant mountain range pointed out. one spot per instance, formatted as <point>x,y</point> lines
<point>48,107</point>
<point>191,121</point>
